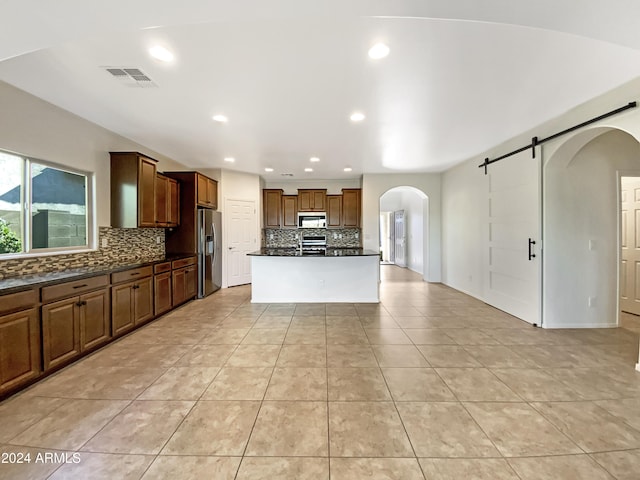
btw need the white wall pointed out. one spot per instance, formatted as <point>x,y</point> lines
<point>334,187</point>
<point>375,185</point>
<point>582,199</point>
<point>413,205</point>
<point>465,220</point>
<point>32,127</point>
<point>566,284</point>
<point>238,186</point>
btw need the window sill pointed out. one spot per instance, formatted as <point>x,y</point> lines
<point>20,256</point>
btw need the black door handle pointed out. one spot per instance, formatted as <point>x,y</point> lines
<point>531,244</point>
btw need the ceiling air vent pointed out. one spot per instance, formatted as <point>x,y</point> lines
<point>131,77</point>
<point>287,174</point>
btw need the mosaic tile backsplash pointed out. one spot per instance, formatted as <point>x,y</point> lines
<point>124,246</point>
<point>336,237</point>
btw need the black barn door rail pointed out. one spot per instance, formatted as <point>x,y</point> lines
<point>535,141</point>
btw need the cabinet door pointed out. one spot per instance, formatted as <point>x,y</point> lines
<point>162,201</point>
<point>121,308</point>
<point>19,348</point>
<point>174,203</point>
<point>305,201</point>
<point>202,190</point>
<point>212,193</point>
<point>334,210</point>
<point>94,319</point>
<point>178,286</point>
<point>351,207</point>
<point>142,300</point>
<point>191,282</point>
<point>290,211</point>
<point>60,332</point>
<point>272,205</point>
<point>146,192</point>
<point>319,197</point>
<point>162,292</point>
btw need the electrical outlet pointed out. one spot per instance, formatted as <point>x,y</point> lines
<point>271,236</point>
<point>105,243</point>
<point>592,302</point>
<point>335,235</point>
<point>158,239</point>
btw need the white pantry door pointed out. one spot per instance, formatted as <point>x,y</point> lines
<point>630,245</point>
<point>513,272</point>
<point>242,235</point>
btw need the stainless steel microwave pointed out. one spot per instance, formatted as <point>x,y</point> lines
<point>312,220</point>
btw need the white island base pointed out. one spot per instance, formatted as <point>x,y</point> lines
<point>311,279</point>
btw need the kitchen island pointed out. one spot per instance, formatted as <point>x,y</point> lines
<point>339,275</point>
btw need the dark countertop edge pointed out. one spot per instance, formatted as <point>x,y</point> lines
<point>39,280</point>
<point>286,252</point>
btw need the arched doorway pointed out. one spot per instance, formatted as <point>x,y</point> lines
<point>581,221</point>
<point>404,220</point>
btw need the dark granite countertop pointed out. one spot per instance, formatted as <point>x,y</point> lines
<point>26,282</point>
<point>331,252</point>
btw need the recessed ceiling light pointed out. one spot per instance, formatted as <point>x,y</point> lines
<point>229,159</point>
<point>378,51</point>
<point>314,159</point>
<point>348,169</point>
<point>268,169</point>
<point>220,118</point>
<point>160,53</point>
<point>357,117</point>
<point>308,169</point>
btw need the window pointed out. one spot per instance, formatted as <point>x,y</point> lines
<point>43,207</point>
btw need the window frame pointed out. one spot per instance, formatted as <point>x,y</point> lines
<point>26,210</point>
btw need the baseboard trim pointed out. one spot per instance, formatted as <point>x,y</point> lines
<point>464,291</point>
<point>578,325</point>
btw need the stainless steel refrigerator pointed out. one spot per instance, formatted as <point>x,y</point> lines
<point>209,251</point>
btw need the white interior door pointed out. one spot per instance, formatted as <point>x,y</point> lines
<point>513,261</point>
<point>630,245</point>
<point>242,238</point>
<point>400,239</point>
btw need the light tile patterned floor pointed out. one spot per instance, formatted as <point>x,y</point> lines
<point>429,384</point>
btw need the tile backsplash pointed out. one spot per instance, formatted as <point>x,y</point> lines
<point>124,246</point>
<point>336,237</point>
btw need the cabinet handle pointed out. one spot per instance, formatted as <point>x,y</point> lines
<point>135,286</point>
<point>81,286</point>
<point>133,274</point>
<point>79,303</point>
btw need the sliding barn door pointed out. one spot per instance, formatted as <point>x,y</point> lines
<point>513,260</point>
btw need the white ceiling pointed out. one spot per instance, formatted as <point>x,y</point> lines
<point>461,77</point>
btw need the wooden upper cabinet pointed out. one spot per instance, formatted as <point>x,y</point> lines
<point>133,190</point>
<point>162,200</point>
<point>167,201</point>
<point>351,207</point>
<point>206,191</point>
<point>289,211</point>
<point>334,211</point>
<point>312,200</point>
<point>174,203</point>
<point>272,207</point>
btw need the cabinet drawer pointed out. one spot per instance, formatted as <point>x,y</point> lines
<point>162,267</point>
<point>73,288</point>
<point>18,301</point>
<point>132,274</point>
<point>183,262</point>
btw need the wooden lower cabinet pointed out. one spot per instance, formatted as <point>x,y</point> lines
<point>131,304</point>
<point>60,332</point>
<point>184,284</point>
<point>162,293</point>
<point>95,319</point>
<point>19,349</point>
<point>74,325</point>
